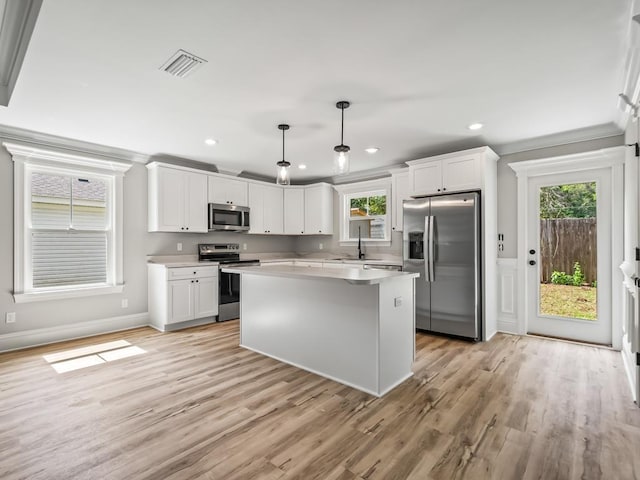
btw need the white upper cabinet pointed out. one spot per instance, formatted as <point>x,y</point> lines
<point>400,190</point>
<point>293,211</point>
<point>461,173</point>
<point>228,190</point>
<point>177,199</point>
<point>427,178</point>
<point>318,210</point>
<point>266,209</point>
<point>440,175</point>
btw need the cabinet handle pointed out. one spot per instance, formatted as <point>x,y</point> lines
<point>444,189</point>
<point>438,189</point>
<point>194,273</point>
<point>187,228</point>
<point>181,228</point>
<point>197,281</point>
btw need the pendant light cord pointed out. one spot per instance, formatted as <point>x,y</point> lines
<point>342,127</point>
<point>283,144</point>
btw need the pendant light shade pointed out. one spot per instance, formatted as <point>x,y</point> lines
<point>282,176</point>
<point>341,152</point>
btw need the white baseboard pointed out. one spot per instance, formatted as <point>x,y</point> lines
<point>44,336</point>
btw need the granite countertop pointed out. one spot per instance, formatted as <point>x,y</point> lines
<point>173,261</point>
<point>350,275</point>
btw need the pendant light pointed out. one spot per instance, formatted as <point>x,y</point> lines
<point>282,178</point>
<point>341,152</point>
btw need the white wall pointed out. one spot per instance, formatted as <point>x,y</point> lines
<point>507,184</point>
<point>138,243</point>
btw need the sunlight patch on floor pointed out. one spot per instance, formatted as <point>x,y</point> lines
<point>91,355</point>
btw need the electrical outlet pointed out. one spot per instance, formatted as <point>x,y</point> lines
<point>125,302</point>
<point>179,247</point>
<point>397,302</point>
<point>321,246</point>
<point>244,246</point>
<point>10,317</point>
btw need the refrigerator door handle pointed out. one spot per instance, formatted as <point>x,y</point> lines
<point>427,270</point>
<point>432,249</point>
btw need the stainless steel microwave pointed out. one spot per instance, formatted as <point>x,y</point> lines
<point>231,218</point>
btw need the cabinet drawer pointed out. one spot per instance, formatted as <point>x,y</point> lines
<point>179,273</point>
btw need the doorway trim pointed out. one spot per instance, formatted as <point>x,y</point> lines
<point>612,158</point>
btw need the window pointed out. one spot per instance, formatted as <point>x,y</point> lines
<point>365,212</point>
<point>68,236</point>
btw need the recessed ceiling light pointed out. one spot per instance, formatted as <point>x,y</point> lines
<point>475,126</point>
<point>302,166</point>
<point>210,141</point>
<point>371,150</point>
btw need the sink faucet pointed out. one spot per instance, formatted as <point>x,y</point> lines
<point>360,252</point>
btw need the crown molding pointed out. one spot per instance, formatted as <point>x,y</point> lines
<point>45,141</point>
<point>563,138</point>
<point>18,21</point>
<point>30,154</point>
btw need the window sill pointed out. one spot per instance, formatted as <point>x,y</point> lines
<point>371,243</point>
<point>61,294</point>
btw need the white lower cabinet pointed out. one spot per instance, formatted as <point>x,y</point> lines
<point>181,294</point>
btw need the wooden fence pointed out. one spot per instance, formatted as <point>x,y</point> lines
<point>564,241</point>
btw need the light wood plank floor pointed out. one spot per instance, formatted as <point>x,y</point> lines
<point>196,406</point>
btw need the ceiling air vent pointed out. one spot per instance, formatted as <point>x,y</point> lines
<point>182,64</point>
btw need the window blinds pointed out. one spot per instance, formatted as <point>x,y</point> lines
<point>70,231</point>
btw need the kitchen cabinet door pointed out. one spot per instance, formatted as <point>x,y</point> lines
<point>318,210</point>
<point>227,191</point>
<point>168,202</point>
<point>196,203</point>
<point>180,300</point>
<point>293,211</point>
<point>400,191</point>
<point>273,210</point>
<point>256,206</point>
<point>427,178</point>
<point>206,297</point>
<point>460,174</point>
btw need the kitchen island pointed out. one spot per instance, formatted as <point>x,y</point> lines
<point>353,326</point>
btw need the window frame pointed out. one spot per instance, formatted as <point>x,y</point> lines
<point>28,159</point>
<point>364,189</point>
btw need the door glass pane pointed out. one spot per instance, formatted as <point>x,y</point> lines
<point>568,251</point>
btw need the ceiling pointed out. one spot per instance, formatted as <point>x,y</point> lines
<point>417,74</point>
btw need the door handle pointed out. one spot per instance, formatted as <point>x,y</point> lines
<point>532,262</point>
<point>426,250</point>
<point>432,248</point>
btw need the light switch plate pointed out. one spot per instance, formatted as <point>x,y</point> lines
<point>397,302</point>
<point>10,317</point>
<point>179,247</point>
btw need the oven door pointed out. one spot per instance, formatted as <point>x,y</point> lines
<point>228,296</point>
<point>228,217</point>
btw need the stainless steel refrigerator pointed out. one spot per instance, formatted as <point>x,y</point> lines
<point>441,241</point>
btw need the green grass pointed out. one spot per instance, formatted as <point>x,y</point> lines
<point>568,301</point>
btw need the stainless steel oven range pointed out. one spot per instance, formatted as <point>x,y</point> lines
<point>229,283</point>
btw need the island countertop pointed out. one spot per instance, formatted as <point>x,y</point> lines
<point>351,275</point>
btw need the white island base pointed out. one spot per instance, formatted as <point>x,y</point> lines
<point>356,331</point>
